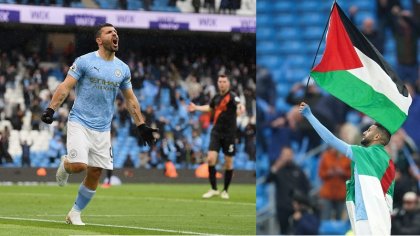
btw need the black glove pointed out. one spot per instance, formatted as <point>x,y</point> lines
<point>146,135</point>
<point>47,116</point>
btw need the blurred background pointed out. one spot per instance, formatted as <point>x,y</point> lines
<point>300,180</point>
<point>174,56</point>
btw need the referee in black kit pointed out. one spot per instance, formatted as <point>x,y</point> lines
<point>224,107</point>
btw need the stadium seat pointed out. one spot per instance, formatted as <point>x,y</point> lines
<point>312,19</point>
<point>313,33</point>
<point>264,7</point>
<point>333,227</point>
<point>308,6</point>
<point>284,19</point>
<point>265,33</point>
<point>283,6</point>
<point>264,20</point>
<point>288,33</point>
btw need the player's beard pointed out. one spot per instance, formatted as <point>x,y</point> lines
<point>366,141</point>
<point>110,47</point>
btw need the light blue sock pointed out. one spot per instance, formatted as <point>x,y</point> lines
<point>83,198</point>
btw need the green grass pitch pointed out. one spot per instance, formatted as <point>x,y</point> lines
<point>130,209</point>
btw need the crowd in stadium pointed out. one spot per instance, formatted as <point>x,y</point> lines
<point>309,177</point>
<point>164,86</point>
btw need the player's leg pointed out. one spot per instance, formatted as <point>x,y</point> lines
<point>214,148</point>
<point>211,161</point>
<point>228,176</point>
<point>228,147</point>
<point>77,159</point>
<point>86,192</point>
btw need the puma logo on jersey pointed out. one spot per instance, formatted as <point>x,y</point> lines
<point>96,68</point>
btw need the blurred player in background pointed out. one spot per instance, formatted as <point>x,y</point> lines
<point>225,106</point>
<point>97,76</point>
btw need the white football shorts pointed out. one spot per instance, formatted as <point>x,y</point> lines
<point>89,146</point>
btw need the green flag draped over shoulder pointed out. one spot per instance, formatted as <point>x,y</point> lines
<point>352,70</point>
<point>376,174</point>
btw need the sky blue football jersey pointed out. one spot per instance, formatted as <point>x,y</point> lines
<point>98,82</point>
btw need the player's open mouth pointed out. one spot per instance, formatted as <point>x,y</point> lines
<point>115,42</point>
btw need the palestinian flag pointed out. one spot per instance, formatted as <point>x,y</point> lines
<point>353,70</point>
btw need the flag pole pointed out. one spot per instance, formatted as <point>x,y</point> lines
<point>317,50</point>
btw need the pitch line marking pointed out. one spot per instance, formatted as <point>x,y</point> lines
<point>112,226</point>
<point>55,215</point>
<point>136,198</point>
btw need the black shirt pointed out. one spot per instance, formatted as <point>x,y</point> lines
<point>224,112</point>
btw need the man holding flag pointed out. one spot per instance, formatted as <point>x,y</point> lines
<point>352,70</point>
<point>371,186</point>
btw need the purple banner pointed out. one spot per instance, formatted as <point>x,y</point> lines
<point>243,29</point>
<point>247,26</point>
<point>88,20</point>
<point>9,16</point>
<point>168,24</point>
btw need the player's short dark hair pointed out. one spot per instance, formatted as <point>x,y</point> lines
<point>385,134</point>
<point>99,29</point>
<point>224,76</point>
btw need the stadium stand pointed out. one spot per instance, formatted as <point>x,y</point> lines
<point>288,35</point>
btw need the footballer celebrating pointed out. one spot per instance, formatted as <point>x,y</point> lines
<point>97,78</point>
<point>224,107</point>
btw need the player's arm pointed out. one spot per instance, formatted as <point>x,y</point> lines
<point>60,94</point>
<point>324,133</point>
<point>133,107</point>
<point>203,108</point>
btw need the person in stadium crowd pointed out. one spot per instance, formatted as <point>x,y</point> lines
<point>225,106</point>
<point>370,189</point>
<point>97,77</point>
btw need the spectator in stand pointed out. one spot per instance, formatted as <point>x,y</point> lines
<point>369,30</point>
<point>4,153</point>
<point>210,5</point>
<point>26,153</point>
<point>384,15</point>
<point>36,110</point>
<point>411,125</point>
<point>406,35</point>
<point>406,220</point>
<point>288,179</point>
<point>17,117</point>
<point>305,220</point>
<point>196,5</point>
<point>334,170</point>
<point>147,4</point>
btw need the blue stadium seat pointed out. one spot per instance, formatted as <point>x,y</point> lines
<point>265,33</point>
<point>312,19</point>
<point>270,61</point>
<point>134,4</point>
<point>264,7</point>
<point>267,47</point>
<point>333,227</point>
<point>283,6</point>
<point>284,20</point>
<point>264,20</point>
<point>288,33</point>
<point>313,33</point>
